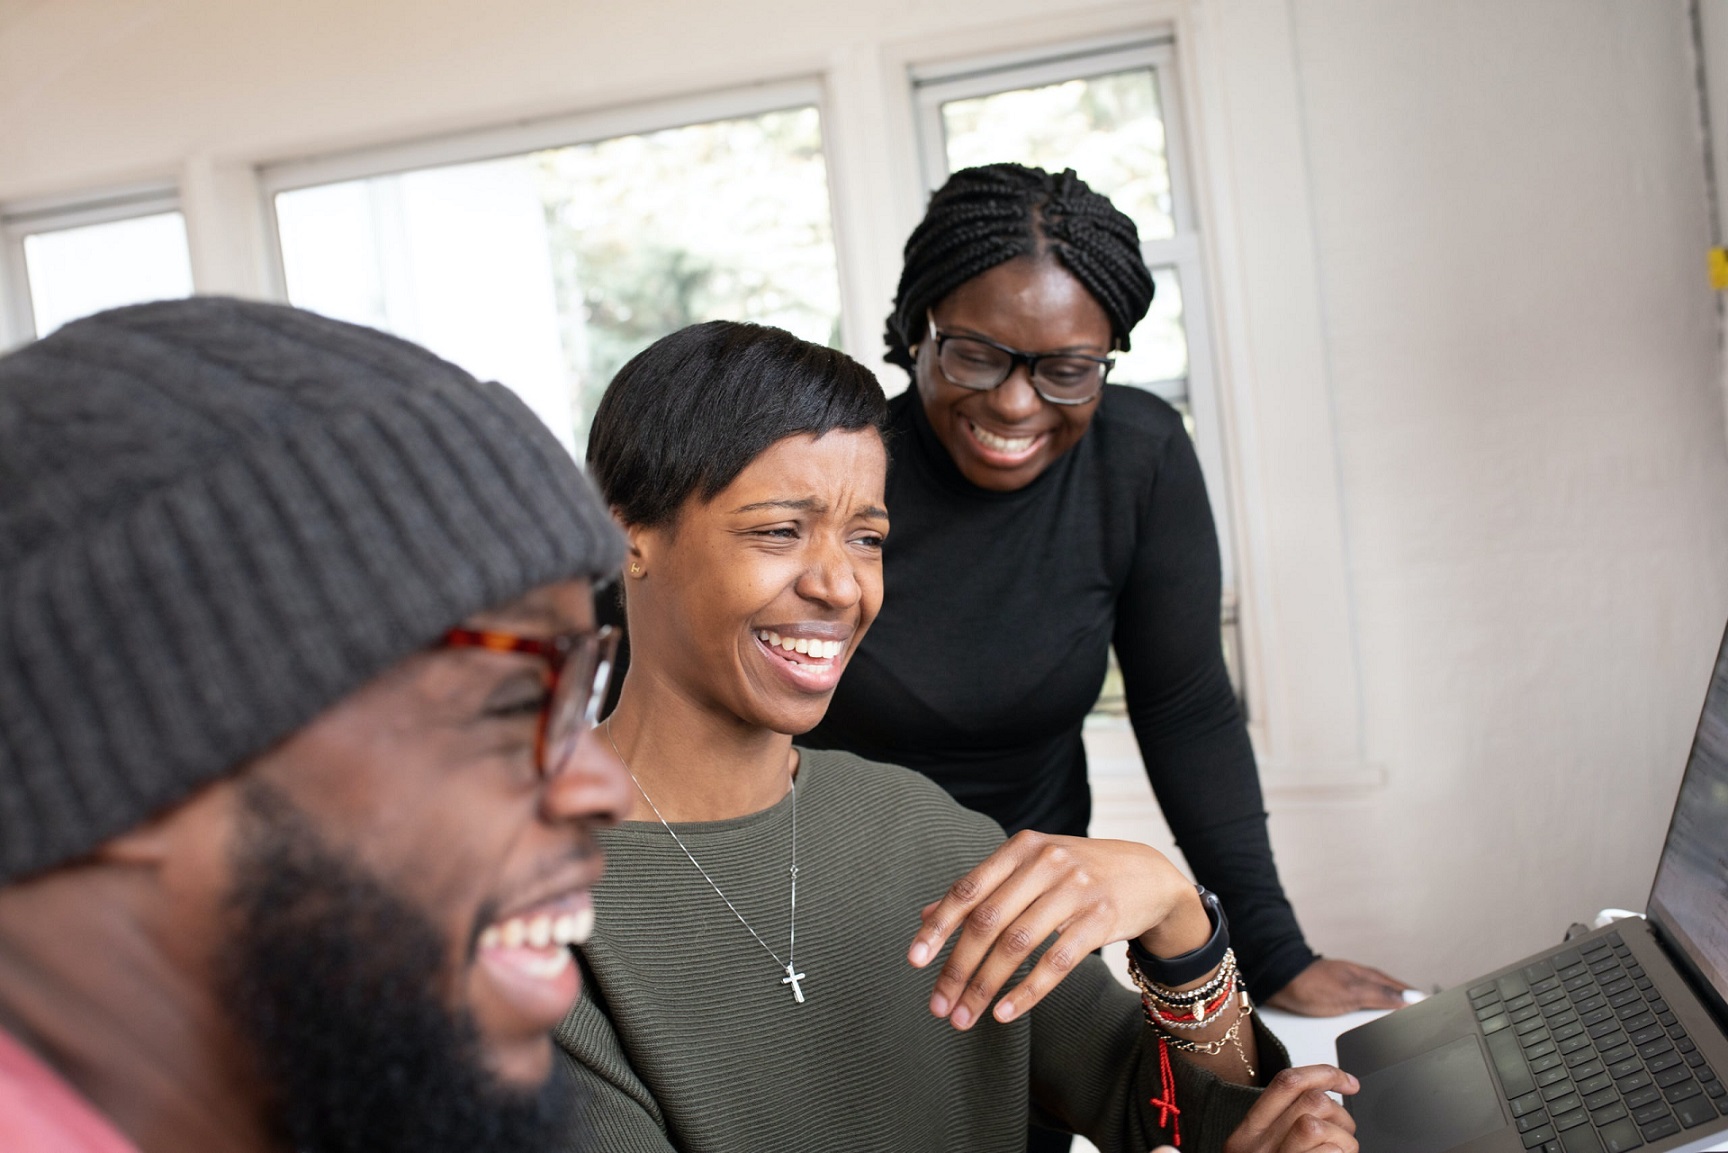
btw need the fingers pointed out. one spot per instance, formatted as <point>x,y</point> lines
<point>1306,1133</point>
<point>1295,1115</point>
<point>1311,1135</point>
<point>971,997</point>
<point>1373,989</point>
<point>1384,978</point>
<point>962,897</point>
<point>1379,997</point>
<point>1091,892</point>
<point>984,957</point>
<point>1330,986</point>
<point>1002,931</point>
<point>1057,962</point>
<point>1287,1086</point>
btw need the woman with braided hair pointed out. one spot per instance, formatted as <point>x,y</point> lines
<point>1042,517</point>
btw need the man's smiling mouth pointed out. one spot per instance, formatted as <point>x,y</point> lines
<point>528,959</point>
<point>541,930</point>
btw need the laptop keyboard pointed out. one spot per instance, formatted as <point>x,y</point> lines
<point>1591,1058</point>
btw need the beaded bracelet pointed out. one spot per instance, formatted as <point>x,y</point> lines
<point>1202,1016</point>
<point>1203,1005</point>
<point>1184,998</point>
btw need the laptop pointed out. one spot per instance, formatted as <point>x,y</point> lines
<point>1614,1040</point>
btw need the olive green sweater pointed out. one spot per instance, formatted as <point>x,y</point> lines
<point>686,1037</point>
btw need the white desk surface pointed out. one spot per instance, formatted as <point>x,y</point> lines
<point>1312,1040</point>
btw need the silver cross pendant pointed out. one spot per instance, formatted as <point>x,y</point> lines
<point>792,979</point>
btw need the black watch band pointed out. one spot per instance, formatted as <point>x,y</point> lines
<point>1196,963</point>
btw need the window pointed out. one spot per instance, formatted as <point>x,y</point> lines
<point>68,261</point>
<point>1113,116</point>
<point>548,268</point>
<point>1110,130</point>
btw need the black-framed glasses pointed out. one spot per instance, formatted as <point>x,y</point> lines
<point>979,364</point>
<point>578,671</point>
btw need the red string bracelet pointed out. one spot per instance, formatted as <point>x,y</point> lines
<point>1200,1015</point>
<point>1168,1114</point>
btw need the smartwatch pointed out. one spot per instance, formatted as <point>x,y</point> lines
<point>1195,963</point>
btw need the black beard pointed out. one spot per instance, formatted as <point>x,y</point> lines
<point>336,981</point>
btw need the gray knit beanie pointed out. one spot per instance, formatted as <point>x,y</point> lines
<point>218,518</point>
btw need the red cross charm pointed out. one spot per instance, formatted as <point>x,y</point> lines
<point>1168,1114</point>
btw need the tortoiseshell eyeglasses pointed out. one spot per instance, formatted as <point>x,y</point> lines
<point>579,669</point>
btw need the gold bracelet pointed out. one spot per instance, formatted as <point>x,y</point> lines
<point>1208,1048</point>
<point>1186,998</point>
<point>1232,1036</point>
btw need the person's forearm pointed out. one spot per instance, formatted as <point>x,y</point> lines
<point>1204,1015</point>
<point>1234,860</point>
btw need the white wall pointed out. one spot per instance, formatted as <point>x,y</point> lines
<point>1511,221</point>
<point>1479,465</point>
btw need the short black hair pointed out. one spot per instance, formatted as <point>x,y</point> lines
<point>987,216</point>
<point>688,413</point>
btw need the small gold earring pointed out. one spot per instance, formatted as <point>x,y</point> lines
<point>635,569</point>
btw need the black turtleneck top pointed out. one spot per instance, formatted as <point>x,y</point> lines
<point>994,637</point>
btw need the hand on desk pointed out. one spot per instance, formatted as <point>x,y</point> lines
<point>1295,1115</point>
<point>1330,987</point>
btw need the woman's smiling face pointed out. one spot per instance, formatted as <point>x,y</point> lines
<point>752,603</point>
<point>1005,438</point>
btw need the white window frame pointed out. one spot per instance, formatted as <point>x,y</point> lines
<point>568,131</point>
<point>28,218</point>
<point>936,84</point>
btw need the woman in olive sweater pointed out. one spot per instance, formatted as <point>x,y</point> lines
<point>771,917</point>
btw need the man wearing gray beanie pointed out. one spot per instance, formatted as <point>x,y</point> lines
<point>298,674</point>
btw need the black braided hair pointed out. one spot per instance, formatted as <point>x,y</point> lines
<point>986,216</point>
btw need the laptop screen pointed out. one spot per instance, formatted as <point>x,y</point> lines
<point>1689,901</point>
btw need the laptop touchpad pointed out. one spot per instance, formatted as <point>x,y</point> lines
<point>1432,1102</point>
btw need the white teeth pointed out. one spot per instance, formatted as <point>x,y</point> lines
<point>573,928</point>
<point>542,932</point>
<point>1002,443</point>
<point>809,646</point>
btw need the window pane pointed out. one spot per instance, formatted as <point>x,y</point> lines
<point>1159,343</point>
<point>76,271</point>
<point>727,220</point>
<point>1108,128</point>
<point>454,258</point>
<point>548,271</point>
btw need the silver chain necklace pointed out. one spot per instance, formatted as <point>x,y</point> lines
<point>788,966</point>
